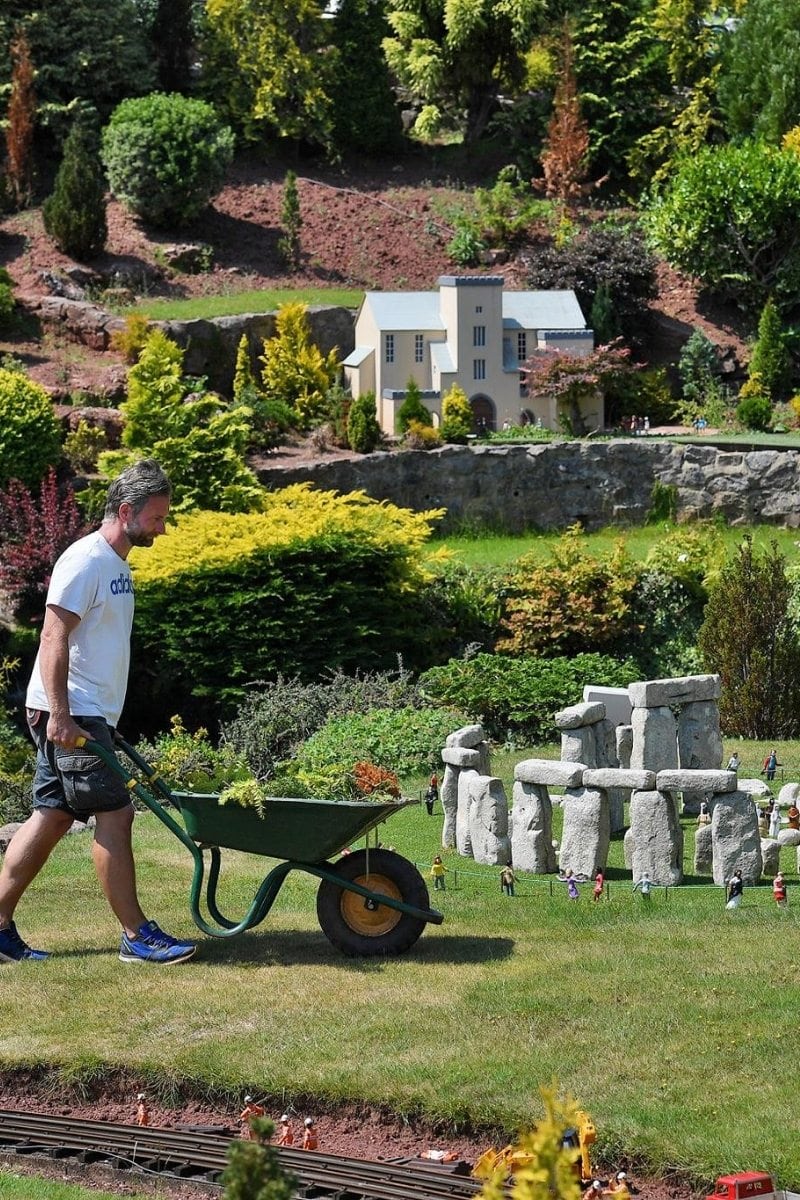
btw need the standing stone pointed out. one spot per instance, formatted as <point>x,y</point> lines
<point>628,843</point>
<point>484,758</point>
<point>605,736</point>
<point>463,840</point>
<point>699,744</point>
<point>488,821</point>
<point>657,838</point>
<point>703,852</point>
<point>655,739</point>
<point>448,794</point>
<point>532,829</point>
<point>579,745</point>
<point>770,857</point>
<point>737,842</point>
<point>624,737</point>
<point>586,831</point>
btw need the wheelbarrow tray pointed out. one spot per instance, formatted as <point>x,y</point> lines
<point>299,829</point>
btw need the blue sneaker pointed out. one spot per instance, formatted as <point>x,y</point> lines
<point>151,944</point>
<point>13,949</point>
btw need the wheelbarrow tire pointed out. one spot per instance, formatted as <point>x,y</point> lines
<point>356,928</point>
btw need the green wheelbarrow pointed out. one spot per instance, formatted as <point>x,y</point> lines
<point>370,902</point>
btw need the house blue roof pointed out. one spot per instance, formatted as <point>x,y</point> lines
<point>419,311</point>
<point>441,357</point>
<point>357,356</point>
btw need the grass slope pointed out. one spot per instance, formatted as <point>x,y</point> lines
<point>666,1020</point>
<point>29,1187</point>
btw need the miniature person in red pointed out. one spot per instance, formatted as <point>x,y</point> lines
<point>251,1109</point>
<point>779,890</point>
<point>142,1111</point>
<point>309,1135</point>
<point>285,1135</point>
<point>598,885</point>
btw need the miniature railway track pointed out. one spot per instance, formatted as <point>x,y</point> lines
<point>199,1155</point>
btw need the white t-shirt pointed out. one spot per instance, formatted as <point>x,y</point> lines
<point>92,581</point>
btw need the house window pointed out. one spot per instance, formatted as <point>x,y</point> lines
<point>478,308</point>
<point>479,335</point>
<point>479,368</point>
<point>522,346</point>
<point>390,347</point>
<point>419,345</point>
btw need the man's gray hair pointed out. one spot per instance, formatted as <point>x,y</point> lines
<point>135,486</point>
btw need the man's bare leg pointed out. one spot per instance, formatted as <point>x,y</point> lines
<point>28,851</point>
<point>113,861</point>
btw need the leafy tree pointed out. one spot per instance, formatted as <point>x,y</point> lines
<point>770,358</point>
<point>253,1171</point>
<point>622,77</point>
<point>268,69</point>
<point>570,378</point>
<point>166,156</point>
<point>21,119</point>
<point>294,369</point>
<point>759,84</point>
<point>455,55</point>
<point>75,214</point>
<point>291,222</point>
<point>728,215</point>
<point>610,254</point>
<point>749,639</point>
<point>697,366</point>
<point>365,114</point>
<point>412,409</point>
<point>83,52</point>
<point>363,430</point>
<point>457,415</point>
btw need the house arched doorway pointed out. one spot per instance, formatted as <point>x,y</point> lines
<point>484,414</point>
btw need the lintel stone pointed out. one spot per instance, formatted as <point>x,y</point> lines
<point>654,693</point>
<point>684,779</point>
<point>460,756</point>
<point>611,777</point>
<point>580,714</point>
<point>549,773</point>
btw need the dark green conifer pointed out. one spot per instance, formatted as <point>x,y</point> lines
<point>75,214</point>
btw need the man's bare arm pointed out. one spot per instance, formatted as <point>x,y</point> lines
<point>54,667</point>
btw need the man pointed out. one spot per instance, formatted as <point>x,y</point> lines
<point>77,690</point>
<point>250,1110</point>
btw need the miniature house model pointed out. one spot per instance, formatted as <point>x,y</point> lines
<point>470,332</point>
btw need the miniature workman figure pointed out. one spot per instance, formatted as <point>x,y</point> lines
<point>593,1191</point>
<point>285,1135</point>
<point>619,1186</point>
<point>735,889</point>
<point>793,815</point>
<point>438,870</point>
<point>309,1134</point>
<point>779,891</point>
<point>644,886</point>
<point>142,1110</point>
<point>250,1110</point>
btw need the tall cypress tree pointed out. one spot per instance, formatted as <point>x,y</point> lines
<point>75,214</point>
<point>365,113</point>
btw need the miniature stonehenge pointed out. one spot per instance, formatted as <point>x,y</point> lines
<point>664,759</point>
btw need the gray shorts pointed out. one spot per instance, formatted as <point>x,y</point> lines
<point>73,780</point>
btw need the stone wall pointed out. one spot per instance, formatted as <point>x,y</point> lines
<point>554,485</point>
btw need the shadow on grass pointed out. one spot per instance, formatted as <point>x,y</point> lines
<point>287,949</point>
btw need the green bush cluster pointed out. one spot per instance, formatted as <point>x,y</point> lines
<point>516,698</point>
<point>30,437</point>
<point>314,582</point>
<point>166,156</point>
<point>6,295</point>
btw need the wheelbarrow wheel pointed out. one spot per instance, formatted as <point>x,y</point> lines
<point>358,926</point>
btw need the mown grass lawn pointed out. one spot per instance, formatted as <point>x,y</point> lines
<point>673,1022</point>
<point>30,1187</point>
<point>236,303</point>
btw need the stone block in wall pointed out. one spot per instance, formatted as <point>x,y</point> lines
<point>737,841</point>
<point>532,829</point>
<point>657,838</point>
<point>586,831</point>
<point>488,821</point>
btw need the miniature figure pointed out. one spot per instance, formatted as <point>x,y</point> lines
<point>572,886</point>
<point>593,1190</point>
<point>771,765</point>
<point>735,888</point>
<point>619,1186</point>
<point>704,816</point>
<point>251,1109</point>
<point>285,1135</point>
<point>438,871</point>
<point>793,813</point>
<point>142,1110</point>
<point>598,885</point>
<point>644,886</point>
<point>779,891</point>
<point>309,1134</point>
<point>432,794</point>
<point>507,881</point>
<point>733,761</point>
<point>775,820</point>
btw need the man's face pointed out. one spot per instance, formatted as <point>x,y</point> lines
<point>149,523</point>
